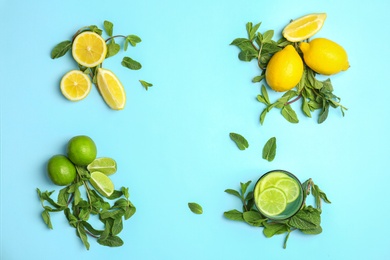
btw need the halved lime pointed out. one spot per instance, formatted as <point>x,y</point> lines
<point>104,165</point>
<point>290,187</point>
<point>102,183</point>
<point>272,201</point>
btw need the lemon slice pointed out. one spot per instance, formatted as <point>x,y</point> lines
<point>272,201</point>
<point>289,187</point>
<point>304,27</point>
<point>75,85</point>
<point>102,183</point>
<point>89,49</point>
<point>111,89</point>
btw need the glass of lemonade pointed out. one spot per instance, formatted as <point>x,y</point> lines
<point>278,194</point>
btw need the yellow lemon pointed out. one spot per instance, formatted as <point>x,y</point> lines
<point>75,85</point>
<point>284,70</point>
<point>324,56</point>
<point>89,49</point>
<point>111,89</point>
<point>304,27</point>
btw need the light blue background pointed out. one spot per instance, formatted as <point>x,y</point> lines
<point>172,142</point>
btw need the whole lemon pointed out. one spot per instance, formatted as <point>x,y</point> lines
<point>81,150</point>
<point>324,56</point>
<point>284,70</point>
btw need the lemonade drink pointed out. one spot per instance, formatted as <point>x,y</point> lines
<point>278,195</point>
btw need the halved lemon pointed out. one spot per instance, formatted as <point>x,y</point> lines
<point>304,27</point>
<point>111,89</point>
<point>272,201</point>
<point>75,85</point>
<point>89,49</point>
<point>102,183</point>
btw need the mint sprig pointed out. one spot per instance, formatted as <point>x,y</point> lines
<point>78,210</point>
<point>307,220</point>
<point>314,94</point>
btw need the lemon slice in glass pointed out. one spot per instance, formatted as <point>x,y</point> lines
<point>75,85</point>
<point>289,187</point>
<point>102,183</point>
<point>272,201</point>
<point>89,49</point>
<point>304,27</point>
<point>111,89</point>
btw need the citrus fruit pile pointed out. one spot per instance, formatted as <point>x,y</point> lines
<point>290,65</point>
<point>89,50</point>
<point>274,192</point>
<point>81,152</point>
<point>285,68</point>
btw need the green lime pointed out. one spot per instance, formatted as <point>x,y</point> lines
<point>271,179</point>
<point>102,183</point>
<point>289,187</point>
<point>272,201</point>
<point>61,170</point>
<point>104,164</point>
<point>81,150</point>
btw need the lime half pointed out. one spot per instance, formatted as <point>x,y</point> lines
<point>102,183</point>
<point>289,187</point>
<point>272,201</point>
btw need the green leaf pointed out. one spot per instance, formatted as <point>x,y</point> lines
<point>91,229</point>
<point>145,84</point>
<point>254,218</point>
<point>240,141</point>
<point>306,218</point>
<point>234,215</point>
<point>131,64</point>
<point>233,192</point>
<point>244,187</point>
<point>117,226</point>
<point>314,231</point>
<point>112,48</point>
<point>271,229</point>
<point>265,94</point>
<point>269,149</point>
<point>267,36</point>
<point>63,196</point>
<point>258,78</point>
<point>111,241</point>
<point>195,208</point>
<point>262,115</point>
<point>133,40</point>
<point>324,114</point>
<point>46,218</point>
<point>83,235</point>
<point>109,27</point>
<point>114,214</point>
<point>252,30</point>
<point>70,217</point>
<point>305,107</point>
<point>247,55</point>
<point>95,29</point>
<point>289,114</point>
<point>130,210</point>
<point>61,49</point>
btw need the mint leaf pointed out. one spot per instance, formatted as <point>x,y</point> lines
<point>269,149</point>
<point>145,84</point>
<point>111,241</point>
<point>133,40</point>
<point>112,48</point>
<point>131,64</point>
<point>240,141</point>
<point>234,215</point>
<point>61,49</point>
<point>273,228</point>
<point>254,218</point>
<point>109,27</point>
<point>195,208</point>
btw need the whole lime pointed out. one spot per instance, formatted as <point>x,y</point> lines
<point>81,150</point>
<point>61,170</point>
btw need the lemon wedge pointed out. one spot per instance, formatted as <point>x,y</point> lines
<point>304,27</point>
<point>111,89</point>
